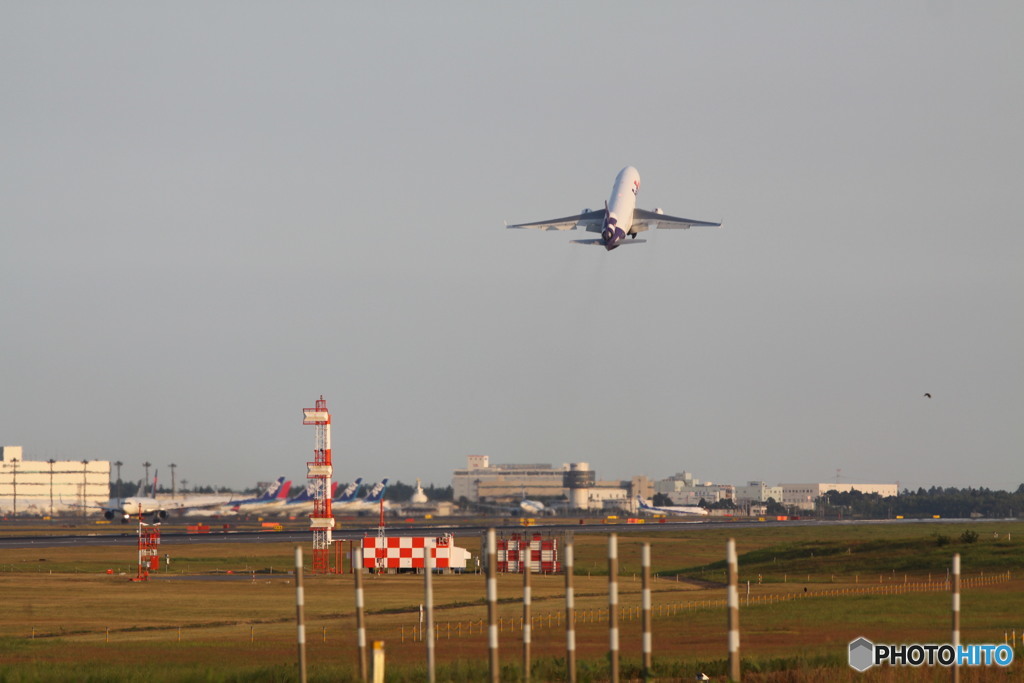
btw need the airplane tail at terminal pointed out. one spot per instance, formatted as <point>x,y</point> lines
<point>277,491</point>
<point>350,492</point>
<point>304,495</point>
<point>376,494</point>
<point>271,492</point>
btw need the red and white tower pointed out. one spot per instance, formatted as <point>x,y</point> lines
<point>319,472</point>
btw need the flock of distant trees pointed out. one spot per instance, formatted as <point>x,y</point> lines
<point>945,502</point>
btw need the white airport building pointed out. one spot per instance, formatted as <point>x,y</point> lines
<point>481,481</point>
<point>757,492</point>
<point>683,489</point>
<point>804,496</point>
<point>45,487</point>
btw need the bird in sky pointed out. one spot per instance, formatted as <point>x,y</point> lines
<point>927,395</point>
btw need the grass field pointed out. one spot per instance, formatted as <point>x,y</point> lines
<point>812,590</point>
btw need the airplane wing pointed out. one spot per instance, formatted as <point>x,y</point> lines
<point>580,220</point>
<point>646,220</point>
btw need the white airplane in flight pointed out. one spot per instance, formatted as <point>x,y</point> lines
<point>685,510</point>
<point>619,218</point>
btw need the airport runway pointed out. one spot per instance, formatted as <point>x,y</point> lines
<point>303,536</point>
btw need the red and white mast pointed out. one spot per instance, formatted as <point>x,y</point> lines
<point>319,472</point>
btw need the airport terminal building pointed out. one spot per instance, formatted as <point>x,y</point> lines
<point>804,496</point>
<point>45,487</point>
<point>683,489</point>
<point>576,482</point>
<point>481,481</point>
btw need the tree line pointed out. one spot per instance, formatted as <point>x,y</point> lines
<point>945,502</point>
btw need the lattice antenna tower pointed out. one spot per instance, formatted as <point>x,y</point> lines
<point>319,471</point>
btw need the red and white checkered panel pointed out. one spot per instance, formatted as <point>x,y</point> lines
<point>516,551</point>
<point>404,552</point>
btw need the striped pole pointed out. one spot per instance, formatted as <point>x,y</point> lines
<point>645,590</point>
<point>492,606</point>
<point>527,629</point>
<point>570,618</point>
<point>613,608</point>
<point>357,569</point>
<point>955,669</point>
<point>734,612</point>
<point>300,614</point>
<point>428,600</point>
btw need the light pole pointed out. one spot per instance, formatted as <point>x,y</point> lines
<point>14,485</point>
<point>51,461</point>
<point>85,465</point>
<point>172,481</point>
<point>118,464</point>
<point>145,483</point>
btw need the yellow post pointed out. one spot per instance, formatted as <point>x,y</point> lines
<point>377,662</point>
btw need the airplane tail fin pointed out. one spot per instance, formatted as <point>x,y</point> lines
<point>350,492</point>
<point>283,493</point>
<point>377,493</point>
<point>271,492</point>
<point>306,494</point>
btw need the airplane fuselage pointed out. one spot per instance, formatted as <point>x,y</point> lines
<point>618,221</point>
<point>135,507</point>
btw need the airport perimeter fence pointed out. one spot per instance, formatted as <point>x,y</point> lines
<point>599,615</point>
<point>274,632</point>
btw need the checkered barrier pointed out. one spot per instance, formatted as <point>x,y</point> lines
<point>409,552</point>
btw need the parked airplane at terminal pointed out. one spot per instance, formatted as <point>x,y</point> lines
<point>206,506</point>
<point>274,497</point>
<point>369,503</point>
<point>303,501</point>
<point>619,218</point>
<point>350,492</point>
<point>687,510</point>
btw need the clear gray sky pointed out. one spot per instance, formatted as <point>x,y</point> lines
<point>213,213</point>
